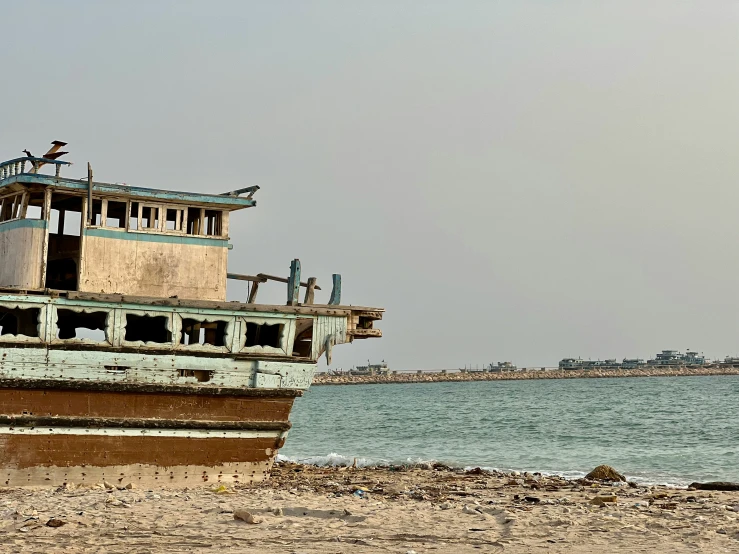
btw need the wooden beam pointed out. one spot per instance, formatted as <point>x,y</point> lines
<point>310,291</point>
<point>336,291</point>
<point>293,283</point>
<point>263,278</point>
<point>253,292</point>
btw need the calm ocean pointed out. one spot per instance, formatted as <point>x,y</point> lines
<point>655,430</point>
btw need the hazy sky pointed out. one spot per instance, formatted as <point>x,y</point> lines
<point>515,181</point>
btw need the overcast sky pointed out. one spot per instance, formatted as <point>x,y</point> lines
<point>517,181</point>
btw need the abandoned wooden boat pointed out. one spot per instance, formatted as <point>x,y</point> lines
<point>120,358</point>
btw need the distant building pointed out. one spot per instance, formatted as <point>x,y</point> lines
<point>675,358</point>
<point>632,363</point>
<point>370,369</point>
<point>501,367</point>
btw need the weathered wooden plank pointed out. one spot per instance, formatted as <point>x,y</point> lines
<point>70,385</point>
<point>51,450</point>
<point>137,423</point>
<point>293,283</point>
<point>61,402</point>
<point>310,291</point>
<point>336,291</point>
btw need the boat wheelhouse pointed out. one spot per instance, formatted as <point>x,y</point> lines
<point>120,358</point>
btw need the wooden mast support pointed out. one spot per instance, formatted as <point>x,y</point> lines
<point>293,283</point>
<point>336,291</point>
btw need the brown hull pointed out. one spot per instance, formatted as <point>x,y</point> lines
<point>142,435</point>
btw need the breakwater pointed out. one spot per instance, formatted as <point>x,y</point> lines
<point>444,377</point>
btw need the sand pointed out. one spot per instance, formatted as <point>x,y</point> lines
<point>305,509</point>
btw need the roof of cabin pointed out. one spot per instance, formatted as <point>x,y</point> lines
<point>20,179</point>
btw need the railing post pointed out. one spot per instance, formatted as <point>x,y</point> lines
<point>23,166</point>
<point>336,291</point>
<point>293,283</point>
<point>310,291</point>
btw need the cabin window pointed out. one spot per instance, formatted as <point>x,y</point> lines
<point>175,219</point>
<point>264,334</point>
<point>97,213</point>
<point>115,216</point>
<point>72,324</point>
<point>11,207</point>
<point>72,223</point>
<point>213,223</point>
<point>203,332</point>
<point>303,344</point>
<point>19,321</point>
<point>146,328</point>
<point>35,208</point>
<point>133,217</point>
<point>151,217</point>
<point>194,222</point>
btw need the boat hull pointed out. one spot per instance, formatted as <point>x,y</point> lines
<point>53,432</point>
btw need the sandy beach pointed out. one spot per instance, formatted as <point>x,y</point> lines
<point>312,510</point>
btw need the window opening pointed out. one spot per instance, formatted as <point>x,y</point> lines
<point>203,332</point>
<point>213,223</point>
<point>62,266</point>
<point>174,219</point>
<point>19,321</point>
<point>35,208</point>
<point>303,337</point>
<point>133,217</point>
<point>150,218</point>
<point>147,328</point>
<point>72,222</point>
<point>115,216</point>
<point>97,213</point>
<point>201,375</point>
<point>264,335</point>
<point>11,207</point>
<point>54,222</point>
<point>81,325</point>
<point>194,223</point>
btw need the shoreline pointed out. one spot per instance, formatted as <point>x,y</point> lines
<point>438,377</point>
<point>421,509</point>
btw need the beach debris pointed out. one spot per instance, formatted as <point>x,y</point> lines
<point>602,500</point>
<point>54,522</point>
<point>714,486</point>
<point>108,486</point>
<point>221,489</point>
<point>247,517</point>
<point>532,499</point>
<point>605,473</point>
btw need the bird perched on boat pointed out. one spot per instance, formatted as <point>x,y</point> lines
<point>28,154</point>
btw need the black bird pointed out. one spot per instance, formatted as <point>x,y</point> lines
<point>28,154</point>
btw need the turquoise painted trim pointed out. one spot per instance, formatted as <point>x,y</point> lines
<point>154,237</point>
<point>226,202</point>
<point>22,224</point>
<point>46,300</point>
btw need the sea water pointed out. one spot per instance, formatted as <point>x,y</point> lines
<point>655,430</point>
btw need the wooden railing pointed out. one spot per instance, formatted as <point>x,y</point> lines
<point>18,166</point>
<point>293,285</point>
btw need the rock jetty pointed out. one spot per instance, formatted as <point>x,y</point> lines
<point>434,377</point>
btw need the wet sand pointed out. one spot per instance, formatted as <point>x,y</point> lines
<point>305,509</point>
